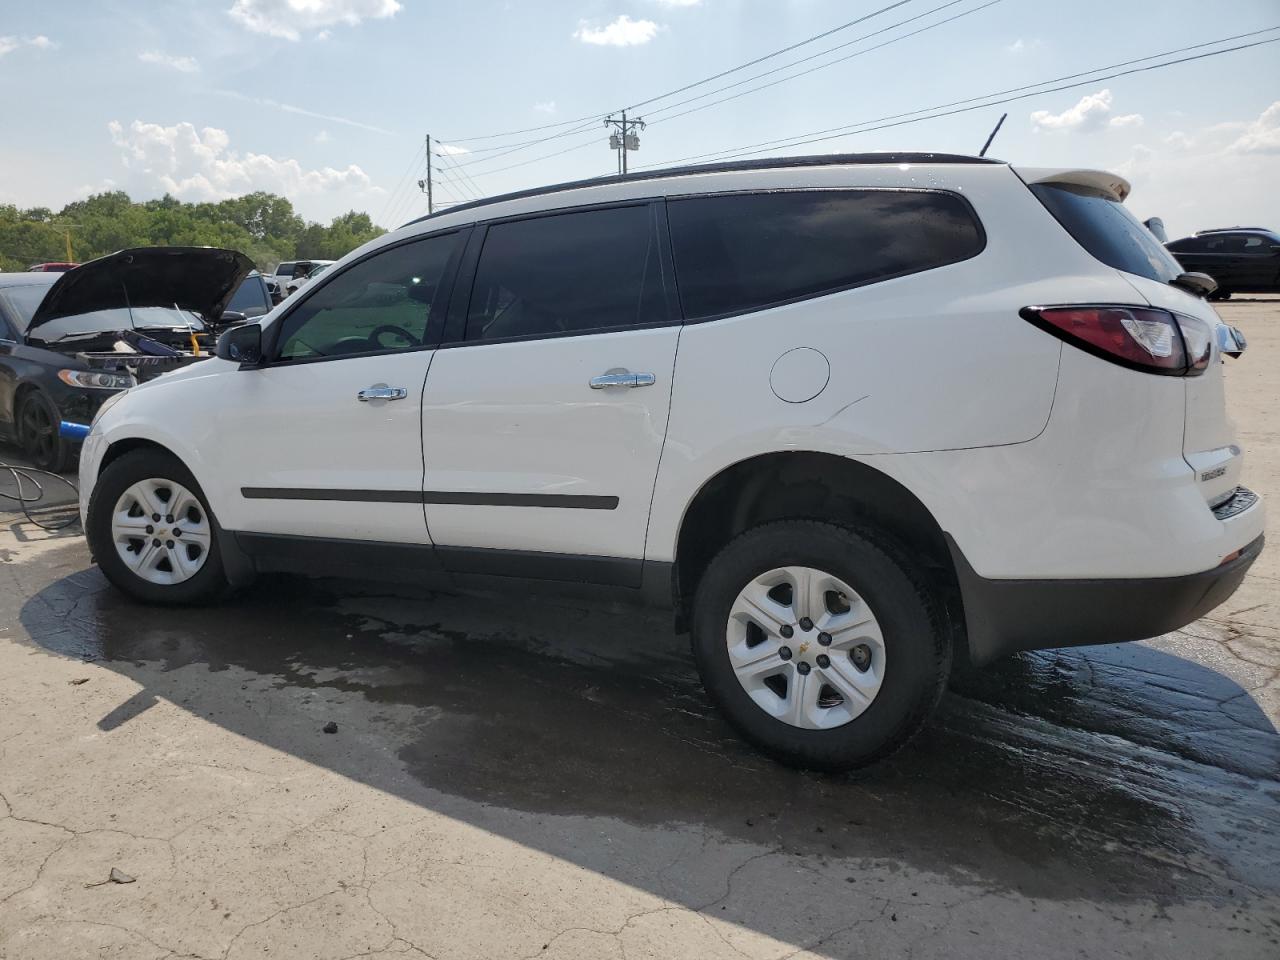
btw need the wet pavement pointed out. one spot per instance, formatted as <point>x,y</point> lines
<point>518,775</point>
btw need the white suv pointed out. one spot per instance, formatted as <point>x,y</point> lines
<point>851,417</point>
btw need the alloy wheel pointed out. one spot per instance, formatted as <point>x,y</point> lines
<point>38,431</point>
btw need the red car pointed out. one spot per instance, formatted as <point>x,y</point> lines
<point>51,267</point>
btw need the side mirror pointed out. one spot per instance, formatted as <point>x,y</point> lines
<point>242,345</point>
<point>1201,284</point>
<point>231,318</point>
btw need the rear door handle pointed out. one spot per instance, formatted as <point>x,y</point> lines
<point>622,378</point>
<point>382,393</point>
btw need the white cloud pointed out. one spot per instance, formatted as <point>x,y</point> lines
<point>1021,46</point>
<point>10,44</point>
<point>679,3</point>
<point>1128,120</point>
<point>1262,135</point>
<point>290,18</point>
<point>322,137</point>
<point>200,165</point>
<point>1208,177</point>
<point>1091,112</point>
<point>547,106</point>
<point>623,32</point>
<point>182,64</point>
<point>449,150</point>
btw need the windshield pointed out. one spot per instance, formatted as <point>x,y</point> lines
<point>1106,229</point>
<point>22,301</point>
<point>110,321</point>
<point>251,293</point>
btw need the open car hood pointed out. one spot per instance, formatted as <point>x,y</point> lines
<point>200,279</point>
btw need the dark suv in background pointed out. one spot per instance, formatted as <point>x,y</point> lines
<point>1241,259</point>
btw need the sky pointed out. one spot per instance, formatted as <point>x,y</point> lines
<point>328,101</point>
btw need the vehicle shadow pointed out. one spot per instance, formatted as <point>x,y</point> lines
<point>1120,773</point>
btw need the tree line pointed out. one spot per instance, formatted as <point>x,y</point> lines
<point>261,225</point>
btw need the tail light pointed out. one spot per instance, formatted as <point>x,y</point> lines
<point>1141,338</point>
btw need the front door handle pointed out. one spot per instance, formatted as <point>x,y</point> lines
<point>382,393</point>
<point>622,378</point>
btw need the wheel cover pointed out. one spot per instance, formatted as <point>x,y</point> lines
<point>806,647</point>
<point>161,531</point>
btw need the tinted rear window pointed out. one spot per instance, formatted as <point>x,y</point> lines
<point>251,293</point>
<point>741,252</point>
<point>1107,230</point>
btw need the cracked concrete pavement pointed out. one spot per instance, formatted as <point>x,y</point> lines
<point>562,790</point>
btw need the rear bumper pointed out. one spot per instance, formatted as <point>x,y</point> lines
<point>1006,616</point>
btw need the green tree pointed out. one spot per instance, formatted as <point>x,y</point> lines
<point>261,225</point>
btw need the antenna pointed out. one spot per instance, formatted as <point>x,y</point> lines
<point>999,124</point>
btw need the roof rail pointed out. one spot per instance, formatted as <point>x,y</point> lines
<point>1200,233</point>
<point>769,163</point>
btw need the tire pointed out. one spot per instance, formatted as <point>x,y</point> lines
<point>158,470</point>
<point>908,670</point>
<point>38,434</point>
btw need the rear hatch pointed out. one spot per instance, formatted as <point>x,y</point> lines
<point>1090,205</point>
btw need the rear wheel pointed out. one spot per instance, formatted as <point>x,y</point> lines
<point>820,645</point>
<point>152,533</point>
<point>39,436</point>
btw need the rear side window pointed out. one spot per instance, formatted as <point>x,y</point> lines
<point>1107,230</point>
<point>568,273</point>
<point>740,252</point>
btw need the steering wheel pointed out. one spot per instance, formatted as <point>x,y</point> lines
<point>375,337</point>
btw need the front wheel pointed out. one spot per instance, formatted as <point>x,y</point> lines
<point>821,646</point>
<point>152,533</point>
<point>39,434</point>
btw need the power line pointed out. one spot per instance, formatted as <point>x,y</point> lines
<point>832,133</point>
<point>399,183</point>
<point>462,174</point>
<point>821,66</point>
<point>697,83</point>
<point>454,178</point>
<point>515,148</point>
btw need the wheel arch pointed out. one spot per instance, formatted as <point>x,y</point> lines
<point>120,447</point>
<point>810,485</point>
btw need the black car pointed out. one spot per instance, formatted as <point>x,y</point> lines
<point>70,340</point>
<point>1241,259</point>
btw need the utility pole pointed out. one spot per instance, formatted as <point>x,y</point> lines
<point>625,139</point>
<point>425,185</point>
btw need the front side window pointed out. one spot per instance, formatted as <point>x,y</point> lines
<point>382,303</point>
<point>741,252</point>
<point>568,273</point>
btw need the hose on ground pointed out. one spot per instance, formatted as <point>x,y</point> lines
<point>21,475</point>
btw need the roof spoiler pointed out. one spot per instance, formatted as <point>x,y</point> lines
<point>1117,188</point>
